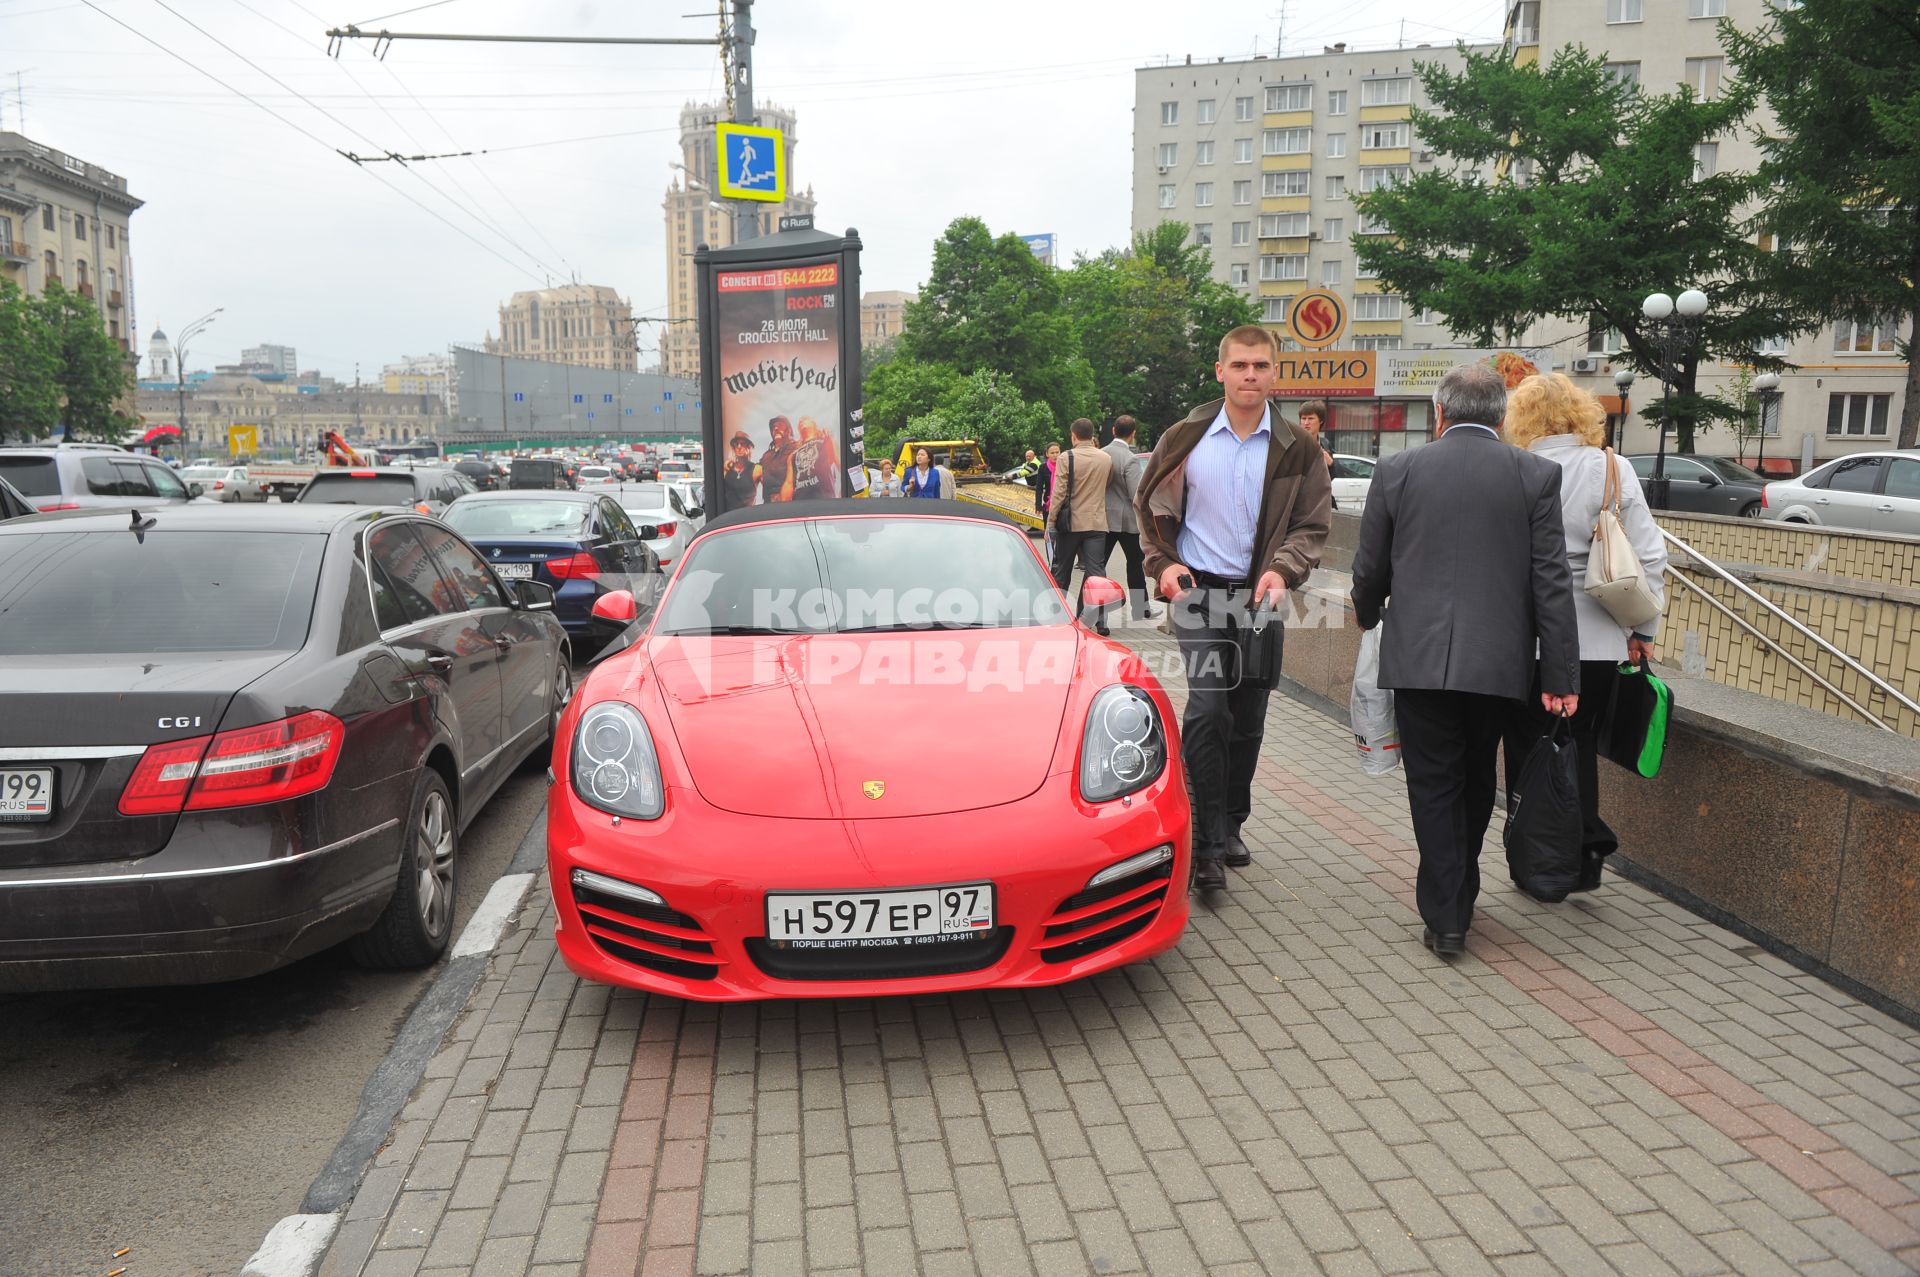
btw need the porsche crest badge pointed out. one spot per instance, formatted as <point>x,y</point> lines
<point>873,789</point>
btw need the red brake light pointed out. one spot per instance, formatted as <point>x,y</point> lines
<point>363,474</point>
<point>667,529</point>
<point>1763,496</point>
<point>243,767</point>
<point>161,779</point>
<point>64,505</point>
<point>219,484</point>
<point>578,567</point>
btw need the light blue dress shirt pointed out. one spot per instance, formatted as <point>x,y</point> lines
<point>1225,478</point>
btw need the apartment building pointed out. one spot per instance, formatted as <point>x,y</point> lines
<point>696,216</point>
<point>279,359</point>
<point>883,312</point>
<point>65,221</point>
<point>586,324</point>
<point>423,375</point>
<point>1845,395</point>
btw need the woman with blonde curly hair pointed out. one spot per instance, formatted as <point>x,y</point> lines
<point>1549,415</point>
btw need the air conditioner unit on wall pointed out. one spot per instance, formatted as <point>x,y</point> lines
<point>1587,363</point>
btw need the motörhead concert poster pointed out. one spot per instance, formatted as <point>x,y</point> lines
<point>780,358</point>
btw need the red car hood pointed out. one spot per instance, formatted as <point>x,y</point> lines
<point>805,725</point>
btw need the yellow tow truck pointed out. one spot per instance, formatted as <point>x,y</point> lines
<point>973,481</point>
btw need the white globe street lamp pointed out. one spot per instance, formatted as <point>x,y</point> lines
<point>1673,327</point>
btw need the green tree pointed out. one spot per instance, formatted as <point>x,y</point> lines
<point>987,406</point>
<point>1594,203</point>
<point>1841,172</point>
<point>898,391</point>
<point>29,385</point>
<point>990,304</point>
<point>93,373</point>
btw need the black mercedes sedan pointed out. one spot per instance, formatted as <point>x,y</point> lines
<point>232,737</point>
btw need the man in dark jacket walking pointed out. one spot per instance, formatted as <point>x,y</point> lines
<point>1123,525</point>
<point>1234,510</point>
<point>1467,538</point>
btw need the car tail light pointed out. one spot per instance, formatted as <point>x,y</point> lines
<point>667,529</point>
<point>1763,497</point>
<point>239,768</point>
<point>162,778</point>
<point>578,567</point>
<point>421,507</point>
<point>363,474</point>
<point>219,484</point>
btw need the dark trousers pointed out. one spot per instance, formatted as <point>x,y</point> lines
<point>1088,552</point>
<point>1128,544</point>
<point>1532,722</point>
<point>1224,723</point>
<point>1447,744</point>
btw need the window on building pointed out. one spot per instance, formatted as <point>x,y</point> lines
<point>1169,113</point>
<point>1336,145</point>
<point>1243,191</point>
<point>1378,178</point>
<point>1334,230</point>
<point>1289,97</point>
<point>1242,234</point>
<point>1623,10</point>
<point>1703,77</point>
<point>1706,160</point>
<point>1627,73</point>
<point>53,267</point>
<point>1283,266</point>
<point>1203,194</point>
<point>1377,306</point>
<point>533,317</point>
<point>1376,343</point>
<point>1203,153</point>
<point>1275,309</point>
<point>1239,274</point>
<point>1770,417</point>
<point>1203,234</point>
<point>1336,188</point>
<point>1602,337</point>
<point>1706,8</point>
<point>1330,271</point>
<point>1207,110</point>
<point>1243,150</point>
<point>110,235</point>
<point>1384,137</point>
<point>1243,109</point>
<point>1875,338</point>
<point>79,227</point>
<point>1428,317</point>
<point>1336,102</point>
<point>113,280</point>
<point>1526,22</point>
<point>1169,155</point>
<point>1166,195</point>
<point>1394,92</point>
<point>1281,185</point>
<point>1770,346</point>
<point>1282,225</point>
<point>1361,270</point>
<point>1861,416</point>
<point>80,273</point>
<point>1287,141</point>
<point>6,234</point>
<point>46,217</point>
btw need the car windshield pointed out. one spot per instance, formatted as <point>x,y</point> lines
<point>85,593</point>
<point>861,575</point>
<point>1730,471</point>
<point>348,489</point>
<point>518,518</point>
<point>33,476</point>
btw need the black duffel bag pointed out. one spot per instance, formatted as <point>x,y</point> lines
<point>1543,834</point>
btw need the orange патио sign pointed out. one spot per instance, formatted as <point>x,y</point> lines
<point>1323,374</point>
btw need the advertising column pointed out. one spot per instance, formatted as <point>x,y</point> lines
<point>781,373</point>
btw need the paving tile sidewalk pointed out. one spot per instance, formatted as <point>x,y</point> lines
<point>1611,1085</point>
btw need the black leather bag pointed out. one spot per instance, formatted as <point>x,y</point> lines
<point>1260,639</point>
<point>1543,835</point>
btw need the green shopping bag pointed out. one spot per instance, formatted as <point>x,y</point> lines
<point>1634,732</point>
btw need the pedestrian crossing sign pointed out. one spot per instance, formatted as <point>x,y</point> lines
<point>753,162</point>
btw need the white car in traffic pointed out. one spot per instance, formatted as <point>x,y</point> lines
<point>224,483</point>
<point>1352,476</point>
<point>664,506</point>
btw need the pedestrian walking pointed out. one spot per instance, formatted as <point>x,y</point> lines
<point>1466,538</point>
<point>1077,514</point>
<point>1043,494</point>
<point>1123,525</point>
<point>887,484</point>
<point>1551,417</point>
<point>924,479</point>
<point>1313,420</point>
<point>1233,511</point>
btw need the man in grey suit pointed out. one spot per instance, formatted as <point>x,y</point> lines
<point>1123,524</point>
<point>1467,538</point>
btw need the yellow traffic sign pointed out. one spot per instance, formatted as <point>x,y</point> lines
<point>243,441</point>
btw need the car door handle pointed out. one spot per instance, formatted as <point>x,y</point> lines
<point>503,643</point>
<point>1884,509</point>
<point>440,662</point>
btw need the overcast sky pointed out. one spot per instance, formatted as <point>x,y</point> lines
<point>1016,111</point>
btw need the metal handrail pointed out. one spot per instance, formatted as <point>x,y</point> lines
<point>1880,684</point>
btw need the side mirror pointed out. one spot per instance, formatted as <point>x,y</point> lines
<point>647,531</point>
<point>1707,481</point>
<point>696,512</point>
<point>196,489</point>
<point>1101,592</point>
<point>615,609</point>
<point>534,596</point>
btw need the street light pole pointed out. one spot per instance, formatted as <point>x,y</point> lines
<point>180,363</point>
<point>1623,382</point>
<point>746,217</point>
<point>1673,327</point>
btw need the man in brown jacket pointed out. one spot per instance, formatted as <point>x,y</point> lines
<point>1234,510</point>
<point>1077,518</point>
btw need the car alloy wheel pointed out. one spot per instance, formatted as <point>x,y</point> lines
<point>413,930</point>
<point>433,865</point>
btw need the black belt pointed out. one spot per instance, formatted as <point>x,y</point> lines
<point>1215,581</point>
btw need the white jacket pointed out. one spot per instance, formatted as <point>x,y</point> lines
<point>1583,478</point>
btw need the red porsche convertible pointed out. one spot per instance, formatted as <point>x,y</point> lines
<point>863,749</point>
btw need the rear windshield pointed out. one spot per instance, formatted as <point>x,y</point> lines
<point>473,519</point>
<point>644,496</point>
<point>83,593</point>
<point>34,476</point>
<point>344,489</point>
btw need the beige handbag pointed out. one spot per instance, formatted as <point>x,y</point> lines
<point>1616,578</point>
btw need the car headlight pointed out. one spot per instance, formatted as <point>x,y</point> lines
<point>1124,748</point>
<point>614,766</point>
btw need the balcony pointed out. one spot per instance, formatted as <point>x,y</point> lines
<point>86,291</point>
<point>114,301</point>
<point>12,252</point>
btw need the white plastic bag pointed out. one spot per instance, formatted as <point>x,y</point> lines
<point>1375,734</point>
